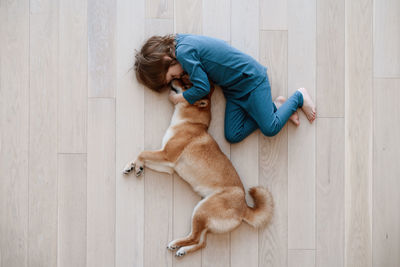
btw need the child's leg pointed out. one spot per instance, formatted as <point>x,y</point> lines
<point>238,123</point>
<point>262,109</point>
<point>295,116</point>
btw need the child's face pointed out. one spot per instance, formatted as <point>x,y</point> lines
<point>174,72</point>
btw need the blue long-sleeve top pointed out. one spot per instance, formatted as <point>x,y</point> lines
<point>200,56</point>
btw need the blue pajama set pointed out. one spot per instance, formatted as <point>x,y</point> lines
<point>243,80</point>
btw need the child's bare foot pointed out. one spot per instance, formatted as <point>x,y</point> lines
<point>308,105</point>
<point>295,116</point>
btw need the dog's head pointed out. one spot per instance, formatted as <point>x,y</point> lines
<point>200,111</point>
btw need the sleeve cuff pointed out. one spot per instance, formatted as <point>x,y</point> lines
<point>188,98</point>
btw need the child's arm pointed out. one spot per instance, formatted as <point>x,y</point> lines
<point>188,58</point>
<point>176,98</point>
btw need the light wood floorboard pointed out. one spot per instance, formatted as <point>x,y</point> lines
<point>162,9</point>
<point>101,182</point>
<point>101,47</point>
<point>129,240</point>
<point>386,182</point>
<point>330,192</point>
<point>301,258</point>
<point>72,200</point>
<point>273,15</point>
<point>386,38</point>
<point>330,58</point>
<point>72,76</point>
<point>358,134</point>
<point>14,133</point>
<point>43,133</point>
<point>301,143</point>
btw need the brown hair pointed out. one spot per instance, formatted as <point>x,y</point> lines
<point>154,59</point>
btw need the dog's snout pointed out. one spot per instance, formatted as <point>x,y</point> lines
<point>176,86</point>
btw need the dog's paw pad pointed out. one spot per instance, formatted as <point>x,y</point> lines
<point>140,171</point>
<point>126,171</point>
<point>180,253</point>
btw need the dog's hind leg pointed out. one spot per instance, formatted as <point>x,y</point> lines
<point>194,241</point>
<point>192,248</point>
<point>212,214</point>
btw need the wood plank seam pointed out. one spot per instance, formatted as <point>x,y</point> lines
<point>101,97</point>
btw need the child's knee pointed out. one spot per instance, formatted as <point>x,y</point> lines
<point>232,137</point>
<point>269,131</point>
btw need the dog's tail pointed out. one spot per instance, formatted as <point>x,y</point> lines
<point>261,213</point>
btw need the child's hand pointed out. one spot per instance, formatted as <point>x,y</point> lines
<point>175,98</point>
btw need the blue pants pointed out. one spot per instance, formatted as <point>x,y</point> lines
<point>256,110</point>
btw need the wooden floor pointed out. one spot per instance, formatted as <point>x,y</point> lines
<point>72,114</point>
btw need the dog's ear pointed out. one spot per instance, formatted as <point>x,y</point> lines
<point>203,103</point>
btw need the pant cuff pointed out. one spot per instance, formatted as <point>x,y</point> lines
<point>300,97</point>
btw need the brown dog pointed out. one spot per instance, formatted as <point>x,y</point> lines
<point>189,150</point>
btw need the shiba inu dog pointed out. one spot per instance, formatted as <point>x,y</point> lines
<point>194,155</point>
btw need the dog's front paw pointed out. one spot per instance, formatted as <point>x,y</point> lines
<point>172,246</point>
<point>139,171</point>
<point>139,168</point>
<point>129,167</point>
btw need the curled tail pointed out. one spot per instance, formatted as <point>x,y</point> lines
<point>263,208</point>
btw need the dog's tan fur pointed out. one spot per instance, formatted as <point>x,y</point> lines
<point>190,151</point>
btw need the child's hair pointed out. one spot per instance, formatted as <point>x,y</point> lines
<point>153,60</point>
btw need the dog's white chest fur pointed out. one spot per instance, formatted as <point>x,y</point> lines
<point>176,119</point>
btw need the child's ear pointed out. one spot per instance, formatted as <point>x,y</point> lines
<point>203,103</point>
